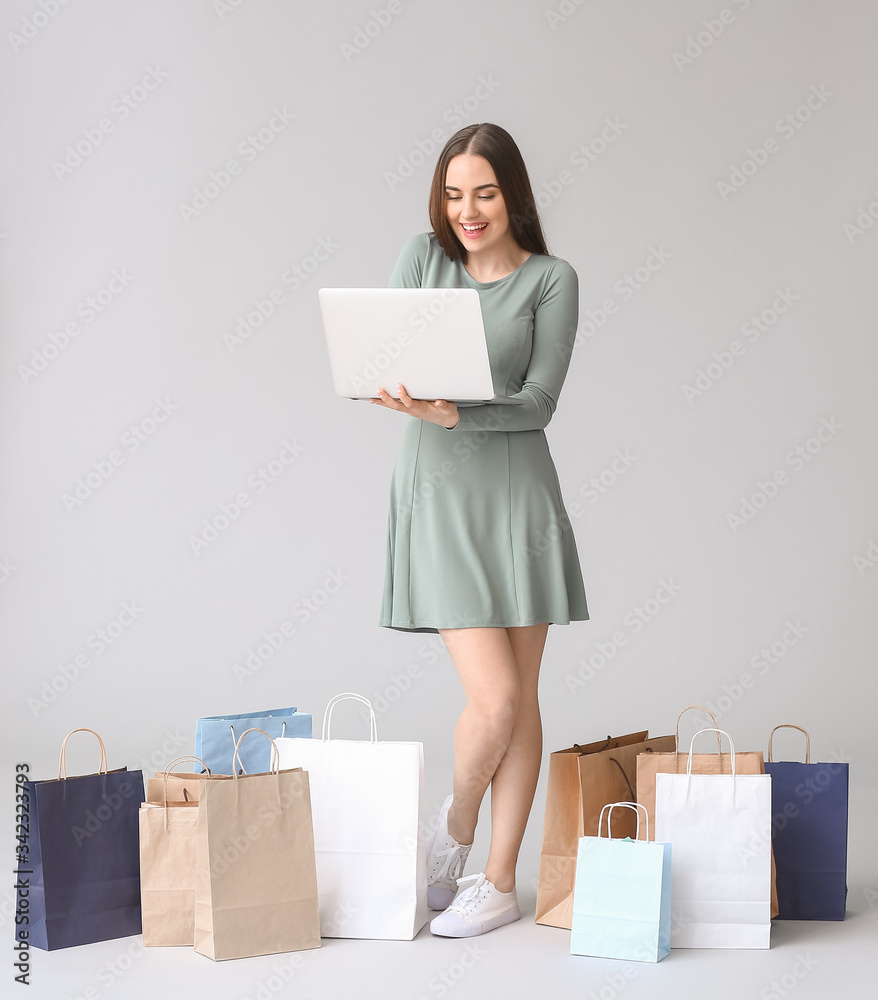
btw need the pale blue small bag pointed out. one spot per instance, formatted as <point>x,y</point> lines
<point>216,736</point>
<point>622,895</point>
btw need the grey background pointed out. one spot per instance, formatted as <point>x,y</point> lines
<point>350,172</point>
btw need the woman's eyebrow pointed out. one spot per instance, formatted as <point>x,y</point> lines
<point>450,187</point>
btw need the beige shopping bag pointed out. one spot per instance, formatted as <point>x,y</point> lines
<point>182,786</point>
<point>168,823</point>
<point>582,780</point>
<point>649,765</point>
<point>255,871</point>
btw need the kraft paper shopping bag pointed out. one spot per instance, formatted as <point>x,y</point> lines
<point>255,876</point>
<point>582,780</point>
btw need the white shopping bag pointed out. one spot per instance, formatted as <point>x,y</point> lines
<point>719,826</point>
<point>367,803</point>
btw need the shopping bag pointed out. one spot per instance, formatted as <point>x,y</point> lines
<point>719,827</point>
<point>622,896</point>
<point>80,859</point>
<point>649,765</point>
<point>167,864</point>
<point>809,832</point>
<point>675,762</point>
<point>216,737</point>
<point>255,878</point>
<point>582,780</point>
<point>180,786</point>
<point>369,834</point>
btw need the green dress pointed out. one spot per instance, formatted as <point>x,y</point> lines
<point>477,533</point>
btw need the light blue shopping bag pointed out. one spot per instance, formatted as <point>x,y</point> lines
<point>622,895</point>
<point>215,737</point>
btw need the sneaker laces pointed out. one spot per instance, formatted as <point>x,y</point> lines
<point>470,895</point>
<point>447,862</point>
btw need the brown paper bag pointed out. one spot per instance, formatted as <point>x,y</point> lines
<point>182,786</point>
<point>255,871</point>
<point>167,872</point>
<point>649,765</point>
<point>582,780</point>
<point>168,821</point>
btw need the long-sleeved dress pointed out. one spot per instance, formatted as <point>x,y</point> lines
<point>477,532</point>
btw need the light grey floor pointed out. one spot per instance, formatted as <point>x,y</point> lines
<point>522,961</point>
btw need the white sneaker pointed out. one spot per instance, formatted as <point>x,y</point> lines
<point>445,861</point>
<point>476,910</point>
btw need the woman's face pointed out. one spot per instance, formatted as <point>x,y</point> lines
<point>474,204</point>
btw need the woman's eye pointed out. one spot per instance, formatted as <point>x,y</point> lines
<point>486,197</point>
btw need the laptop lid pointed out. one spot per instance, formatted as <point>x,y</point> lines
<point>432,340</point>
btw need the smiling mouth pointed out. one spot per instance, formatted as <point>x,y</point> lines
<point>473,231</point>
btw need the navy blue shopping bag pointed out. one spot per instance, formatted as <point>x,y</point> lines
<point>80,856</point>
<point>809,833</point>
<point>216,736</point>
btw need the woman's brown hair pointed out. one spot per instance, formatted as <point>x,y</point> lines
<point>498,147</point>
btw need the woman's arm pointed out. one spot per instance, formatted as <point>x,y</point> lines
<point>555,321</point>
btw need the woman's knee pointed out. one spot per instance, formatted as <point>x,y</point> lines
<point>497,709</point>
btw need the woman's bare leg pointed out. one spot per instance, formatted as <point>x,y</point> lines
<point>498,737</point>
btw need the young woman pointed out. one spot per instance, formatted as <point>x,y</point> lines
<point>480,548</point>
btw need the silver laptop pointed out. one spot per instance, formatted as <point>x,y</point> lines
<point>431,340</point>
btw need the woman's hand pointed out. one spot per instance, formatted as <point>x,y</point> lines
<point>438,411</point>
